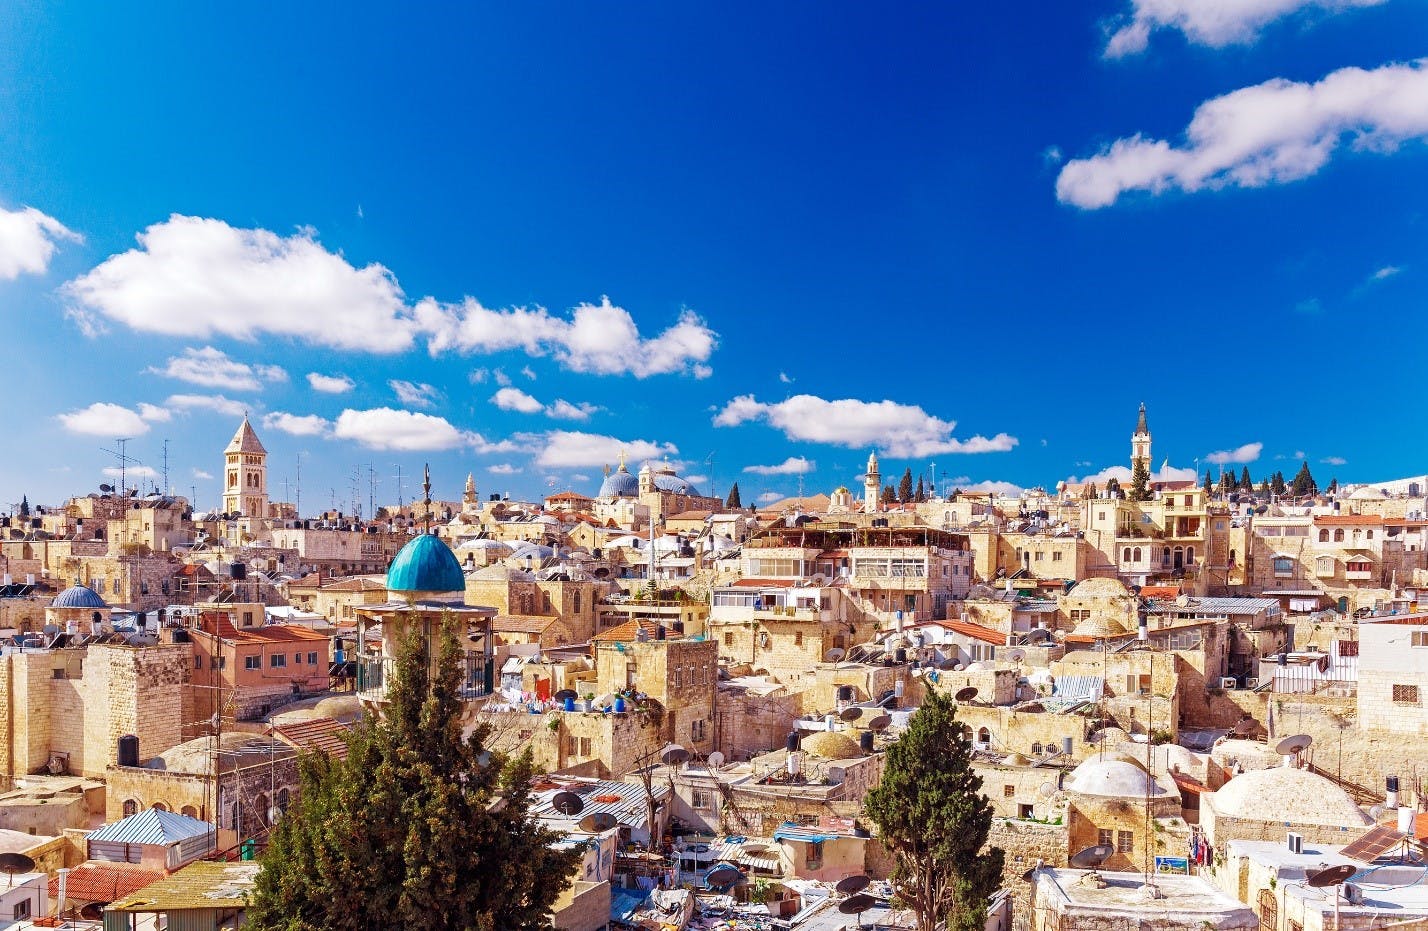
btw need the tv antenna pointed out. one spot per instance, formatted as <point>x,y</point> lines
<point>400,502</point>
<point>124,459</point>
<point>166,467</point>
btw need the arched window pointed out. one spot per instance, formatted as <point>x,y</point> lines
<point>262,807</point>
<point>1126,555</point>
<point>1036,749</point>
<point>1135,554</point>
<point>131,807</point>
<point>160,806</point>
<point>1324,535</point>
<point>1339,535</point>
<point>984,735</point>
<point>576,602</point>
<point>283,798</point>
<point>1369,534</point>
<point>1189,555</point>
<point>189,811</point>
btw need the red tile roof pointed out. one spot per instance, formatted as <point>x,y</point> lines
<point>1347,519</point>
<point>323,734</point>
<point>1161,592</point>
<point>90,882</point>
<point>975,631</point>
<point>268,633</point>
<point>521,624</point>
<point>626,632</point>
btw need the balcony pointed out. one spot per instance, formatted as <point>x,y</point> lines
<point>374,674</point>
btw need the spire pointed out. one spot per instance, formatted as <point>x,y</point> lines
<point>470,483</point>
<point>426,497</point>
<point>1140,425</point>
<point>622,462</point>
<point>245,440</point>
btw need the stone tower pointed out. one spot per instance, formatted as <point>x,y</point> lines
<point>872,485</point>
<point>245,474</point>
<point>1140,441</point>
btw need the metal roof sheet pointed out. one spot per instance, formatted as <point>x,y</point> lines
<point>152,826</point>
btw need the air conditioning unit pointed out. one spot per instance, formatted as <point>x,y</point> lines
<point>1252,683</point>
<point>1296,842</point>
<point>1229,683</point>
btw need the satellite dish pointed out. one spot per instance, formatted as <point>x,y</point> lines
<point>966,694</point>
<point>835,654</point>
<point>1290,746</point>
<point>12,863</point>
<point>1376,812</point>
<point>92,911</point>
<point>598,821</point>
<point>851,884</point>
<point>1091,857</point>
<point>107,489</point>
<point>1262,509</point>
<point>880,723</point>
<point>673,755</point>
<point>563,694</point>
<point>1029,875</point>
<point>948,663</point>
<point>1333,876</point>
<point>715,759</point>
<point>1046,790</point>
<point>851,713</point>
<point>723,877</point>
<point>1244,727</point>
<point>567,803</point>
<point>1016,656</point>
<point>856,904</point>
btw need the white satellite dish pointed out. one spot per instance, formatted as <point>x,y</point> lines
<point>716,759</point>
<point>1046,790</point>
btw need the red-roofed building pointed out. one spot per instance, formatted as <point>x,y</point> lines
<point>246,667</point>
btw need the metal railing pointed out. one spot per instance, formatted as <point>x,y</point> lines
<point>375,673</point>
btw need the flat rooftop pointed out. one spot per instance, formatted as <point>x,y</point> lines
<point>1185,900</point>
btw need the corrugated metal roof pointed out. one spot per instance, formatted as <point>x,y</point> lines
<point>152,826</point>
<point>1220,606</point>
<point>629,808</point>
<point>202,885</point>
<point>1079,688</point>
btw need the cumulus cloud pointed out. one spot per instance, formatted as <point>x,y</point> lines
<point>1215,23</point>
<point>330,384</point>
<point>1388,271</point>
<point>208,402</point>
<point>407,431</point>
<point>1123,475</point>
<point>502,468</point>
<point>132,471</point>
<point>899,430</point>
<point>562,409</point>
<point>769,496</point>
<point>200,474</point>
<point>600,339</point>
<point>565,449</point>
<point>104,419</point>
<point>155,414</point>
<point>514,399</point>
<point>28,240</point>
<point>1005,489</point>
<point>1246,453</point>
<point>528,372</point>
<point>296,424</point>
<point>793,465</point>
<point>198,277</point>
<point>1334,460</point>
<point>1270,133</point>
<point>212,368</point>
<point>415,394</point>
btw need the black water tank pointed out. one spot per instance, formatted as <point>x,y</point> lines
<point>238,571</point>
<point>659,632</point>
<point>128,750</point>
<point>900,655</point>
<point>845,693</point>
<point>865,741</point>
<point>1390,783</point>
<point>791,742</point>
<point>678,627</point>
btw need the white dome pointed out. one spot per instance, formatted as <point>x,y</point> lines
<point>1113,778</point>
<point>1286,794</point>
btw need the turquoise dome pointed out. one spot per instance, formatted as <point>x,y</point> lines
<point>425,565</point>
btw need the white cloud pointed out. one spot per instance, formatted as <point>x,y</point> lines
<point>200,474</point>
<point>564,410</point>
<point>1006,489</point>
<point>1216,23</point>
<point>786,378</point>
<point>793,465</point>
<point>1270,133</point>
<point>1388,271</point>
<point>1123,475</point>
<point>528,372</point>
<point>502,468</point>
<point>500,377</point>
<point>330,384</point>
<point>296,424</point>
<point>1334,460</point>
<point>155,414</point>
<point>770,496</point>
<point>212,368</point>
<point>133,471</point>
<point>514,399</point>
<point>210,402</point>
<point>691,479</point>
<point>198,277</point>
<point>415,394</point>
<point>1246,453</point>
<point>601,339</point>
<point>1299,454</point>
<point>478,376</point>
<point>581,477</point>
<point>572,449</point>
<point>408,431</point>
<point>104,419</point>
<point>1052,155</point>
<point>28,239</point>
<point>898,430</point>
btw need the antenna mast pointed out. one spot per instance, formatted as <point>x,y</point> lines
<point>124,460</point>
<point>166,467</point>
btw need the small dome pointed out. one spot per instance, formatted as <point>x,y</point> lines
<point>1112,778</point>
<point>81,596</point>
<point>1103,588</point>
<point>1367,493</point>
<point>1286,794</point>
<point>831,746</point>
<point>425,565</point>
<point>620,483</point>
<point>1100,627</point>
<point>1014,759</point>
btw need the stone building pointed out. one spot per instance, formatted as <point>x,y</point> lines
<point>1265,804</point>
<point>245,471</point>
<point>244,668</point>
<point>1393,675</point>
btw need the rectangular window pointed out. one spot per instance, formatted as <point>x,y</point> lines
<point>312,659</point>
<point>1125,841</point>
<point>701,800</point>
<point>22,910</point>
<point>1105,838</point>
<point>798,638</point>
<point>1056,556</point>
<point>252,662</point>
<point>297,659</point>
<point>696,730</point>
<point>1008,791</point>
<point>1405,694</point>
<point>222,662</point>
<point>585,746</point>
<point>728,639</point>
<point>198,661</point>
<point>278,661</point>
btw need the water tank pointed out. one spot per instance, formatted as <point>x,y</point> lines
<point>845,693</point>
<point>1067,743</point>
<point>238,571</point>
<point>128,750</point>
<point>790,742</point>
<point>865,741</point>
<point>659,632</point>
<point>900,656</point>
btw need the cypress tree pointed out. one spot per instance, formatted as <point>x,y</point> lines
<point>1140,481</point>
<point>417,827</point>
<point>1277,485</point>
<point>1209,485</point>
<point>24,505</point>
<point>920,495</point>
<point>1333,485</point>
<point>931,814</point>
<point>1303,484</point>
<point>1264,486</point>
<point>1113,487</point>
<point>734,503</point>
<point>1245,483</point>
<point>904,487</point>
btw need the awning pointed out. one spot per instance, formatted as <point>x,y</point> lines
<point>802,835</point>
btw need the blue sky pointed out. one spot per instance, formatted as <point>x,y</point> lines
<point>514,241</point>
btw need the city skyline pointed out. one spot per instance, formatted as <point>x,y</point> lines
<point>516,248</point>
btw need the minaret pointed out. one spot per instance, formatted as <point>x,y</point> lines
<point>872,485</point>
<point>245,474</point>
<point>469,504</point>
<point>1140,441</point>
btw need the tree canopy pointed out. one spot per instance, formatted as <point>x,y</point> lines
<point>1140,481</point>
<point>417,827</point>
<point>904,486</point>
<point>931,814</point>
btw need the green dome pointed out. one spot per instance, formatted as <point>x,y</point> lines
<point>425,565</point>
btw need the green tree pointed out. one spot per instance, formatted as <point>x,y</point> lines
<point>1209,485</point>
<point>1227,482</point>
<point>417,827</point>
<point>1113,487</point>
<point>1264,487</point>
<point>920,494</point>
<point>1333,485</point>
<point>1091,491</point>
<point>1140,481</point>
<point>889,495</point>
<point>1303,484</point>
<point>1246,484</point>
<point>904,486</point>
<point>931,814</point>
<point>734,503</point>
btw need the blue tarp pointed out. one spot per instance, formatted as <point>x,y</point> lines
<point>625,902</point>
